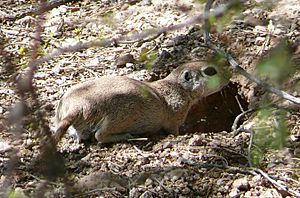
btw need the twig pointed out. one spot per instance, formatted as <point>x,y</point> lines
<point>30,74</point>
<point>139,151</point>
<point>142,40</point>
<point>250,143</point>
<point>211,166</point>
<point>137,139</point>
<point>229,151</point>
<point>170,191</point>
<point>236,66</point>
<point>277,185</point>
<point>239,103</point>
<point>201,165</point>
<point>237,120</point>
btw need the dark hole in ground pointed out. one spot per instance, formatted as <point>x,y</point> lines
<point>215,113</point>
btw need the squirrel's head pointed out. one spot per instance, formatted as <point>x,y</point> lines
<point>201,78</point>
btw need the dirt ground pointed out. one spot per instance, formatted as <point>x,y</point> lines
<point>205,160</point>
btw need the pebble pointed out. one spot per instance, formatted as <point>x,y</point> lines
<point>241,184</point>
<point>4,146</point>
<point>122,61</point>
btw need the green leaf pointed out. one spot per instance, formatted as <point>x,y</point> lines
<point>277,67</point>
<point>148,58</point>
<point>144,91</point>
<point>270,132</point>
<point>200,1</point>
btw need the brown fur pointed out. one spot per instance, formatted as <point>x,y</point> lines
<point>114,108</point>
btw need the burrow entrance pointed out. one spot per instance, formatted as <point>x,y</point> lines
<point>216,112</point>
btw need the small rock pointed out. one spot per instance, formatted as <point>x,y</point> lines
<point>29,143</point>
<point>148,182</point>
<point>102,180</point>
<point>168,145</point>
<point>259,41</point>
<point>123,60</point>
<point>146,2</point>
<point>197,140</point>
<point>270,193</point>
<point>256,179</point>
<point>4,146</point>
<point>249,194</point>
<point>129,65</point>
<point>57,70</point>
<point>93,62</point>
<point>165,55</point>
<point>133,193</point>
<point>279,31</point>
<point>146,194</point>
<point>125,6</point>
<point>234,193</point>
<point>241,184</point>
<point>260,30</point>
<point>176,174</point>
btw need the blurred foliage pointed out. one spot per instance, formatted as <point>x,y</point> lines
<point>77,31</point>
<point>270,132</point>
<point>201,1</point>
<point>144,91</point>
<point>220,62</point>
<point>278,66</point>
<point>148,57</point>
<point>23,57</point>
<point>221,22</point>
<point>224,21</point>
<point>101,35</point>
<point>108,19</point>
<point>14,193</point>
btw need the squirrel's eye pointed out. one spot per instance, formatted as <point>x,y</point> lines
<point>210,71</point>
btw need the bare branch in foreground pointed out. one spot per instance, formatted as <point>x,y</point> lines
<point>234,63</point>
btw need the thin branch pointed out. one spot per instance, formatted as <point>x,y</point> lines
<point>261,83</point>
<point>32,69</point>
<point>218,12</point>
<point>237,119</point>
<point>249,156</point>
<point>276,184</point>
<point>143,40</point>
<point>236,66</point>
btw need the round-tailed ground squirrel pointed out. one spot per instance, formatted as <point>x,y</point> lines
<point>115,108</point>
